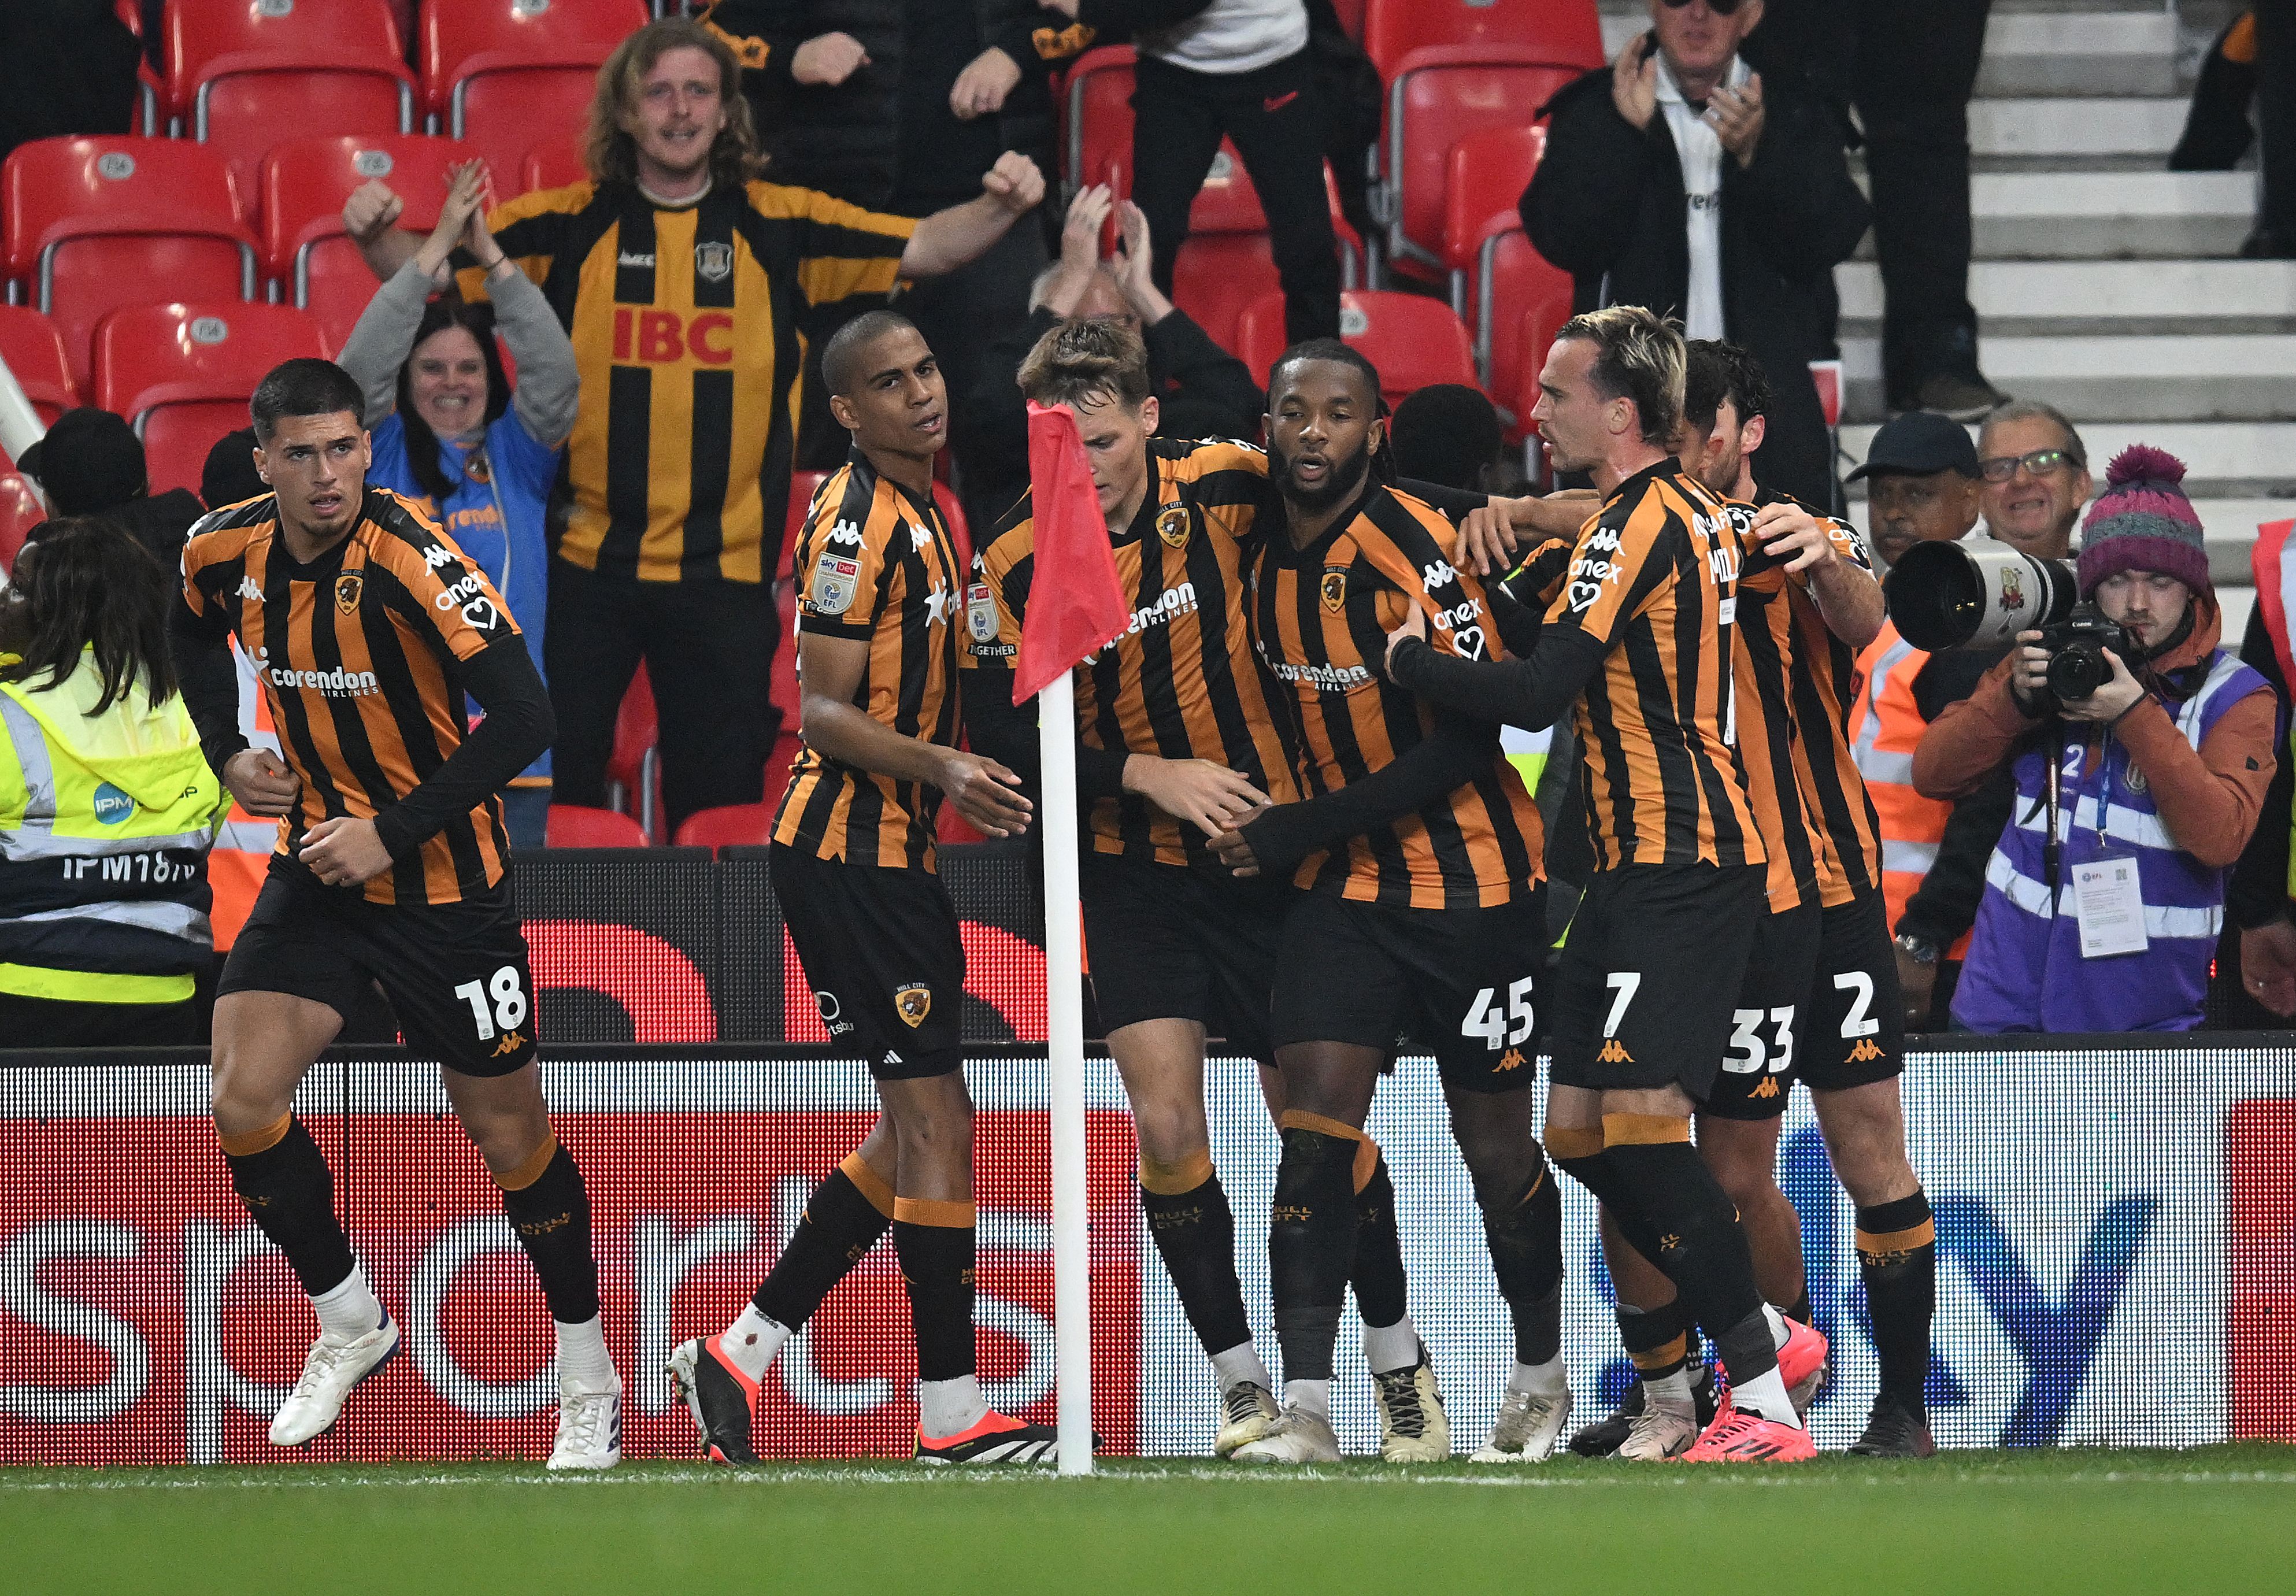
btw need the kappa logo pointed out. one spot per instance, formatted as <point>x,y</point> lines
<point>248,591</point>
<point>631,258</point>
<point>1768,1088</point>
<point>919,537</point>
<point>1604,540</point>
<point>1864,1052</point>
<point>1441,573</point>
<point>509,1044</point>
<point>1614,1051</point>
<point>439,554</point>
<point>845,532</point>
<point>1510,1060</point>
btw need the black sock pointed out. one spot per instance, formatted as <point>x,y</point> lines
<point>842,1222</point>
<point>1897,1258</point>
<point>288,1191</point>
<point>1524,1229</point>
<point>937,1267</point>
<point>1657,1339</point>
<point>1382,1294</point>
<point>1696,1242</point>
<point>1194,1232</point>
<point>1579,1154</point>
<point>552,1215</point>
<point>1311,1245</point>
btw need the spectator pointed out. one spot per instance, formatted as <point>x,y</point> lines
<point>903,106</point>
<point>1239,69</point>
<point>100,758</point>
<point>229,476</point>
<point>685,284</point>
<point>1922,477</point>
<point>2035,472</point>
<point>2174,753</point>
<point>1910,69</point>
<point>2262,898</point>
<point>1203,391</point>
<point>1450,435</point>
<point>66,66</point>
<point>91,462</point>
<point>450,433</point>
<point>1676,179</point>
<point>2217,129</point>
<point>2275,236</point>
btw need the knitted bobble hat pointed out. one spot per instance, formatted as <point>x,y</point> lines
<point>2143,521</point>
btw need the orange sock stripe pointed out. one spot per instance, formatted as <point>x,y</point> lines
<point>1643,1130</point>
<point>1300,1119</point>
<point>1366,1163</point>
<point>1535,1185</point>
<point>1923,1234</point>
<point>1673,1352</point>
<point>866,1181</point>
<point>1170,1180</point>
<point>247,1143</point>
<point>1573,1142</point>
<point>934,1211</point>
<point>530,1171</point>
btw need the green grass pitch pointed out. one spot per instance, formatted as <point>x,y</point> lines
<point>2217,1519</point>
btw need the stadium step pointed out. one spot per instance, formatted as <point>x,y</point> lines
<point>2027,296</point>
<point>2166,377</point>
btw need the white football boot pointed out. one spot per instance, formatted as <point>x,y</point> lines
<point>330,1370</point>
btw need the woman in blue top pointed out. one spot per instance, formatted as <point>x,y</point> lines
<point>450,433</point>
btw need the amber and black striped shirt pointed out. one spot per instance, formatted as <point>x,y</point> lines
<point>1181,682</point>
<point>1652,583</point>
<point>876,565</point>
<point>686,325</point>
<point>361,655</point>
<point>1320,618</point>
<point>1762,648</point>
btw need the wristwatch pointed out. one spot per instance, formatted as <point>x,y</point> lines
<point>1921,950</point>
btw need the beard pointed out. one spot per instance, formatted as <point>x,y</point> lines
<point>1345,478</point>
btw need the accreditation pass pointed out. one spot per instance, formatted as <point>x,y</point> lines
<point>2109,903</point>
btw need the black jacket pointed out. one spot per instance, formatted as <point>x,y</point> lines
<point>1607,206</point>
<point>1203,391</point>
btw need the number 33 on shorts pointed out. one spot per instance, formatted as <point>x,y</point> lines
<point>497,1004</point>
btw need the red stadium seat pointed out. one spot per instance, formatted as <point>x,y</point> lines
<point>634,767</point>
<point>239,75</point>
<point>183,375</point>
<point>1413,341</point>
<point>777,765</point>
<point>495,71</point>
<point>21,511</point>
<point>93,224</point>
<point>150,122</point>
<point>1350,14</point>
<point>34,352</point>
<point>1440,98</point>
<point>1534,335</point>
<point>1563,30</point>
<point>555,163</point>
<point>1514,283</point>
<point>305,182</point>
<point>1485,249</point>
<point>960,531</point>
<point>1099,114</point>
<point>571,826</point>
<point>733,825</point>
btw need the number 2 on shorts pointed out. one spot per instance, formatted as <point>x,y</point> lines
<point>1857,1022</point>
<point>509,1001</point>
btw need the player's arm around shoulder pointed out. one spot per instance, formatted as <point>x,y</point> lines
<point>1828,557</point>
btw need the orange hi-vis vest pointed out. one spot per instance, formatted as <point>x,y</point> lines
<point>1885,727</point>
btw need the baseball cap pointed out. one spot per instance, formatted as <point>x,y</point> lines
<point>89,462</point>
<point>1919,443</point>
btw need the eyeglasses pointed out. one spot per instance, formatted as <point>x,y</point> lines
<point>2040,462</point>
<point>1721,8</point>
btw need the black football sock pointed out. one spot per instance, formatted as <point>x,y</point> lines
<point>1656,1339</point>
<point>1897,1258</point>
<point>1194,1231</point>
<point>1579,1154</point>
<point>1524,1229</point>
<point>551,1212</point>
<point>283,1182</point>
<point>1382,1296</point>
<point>935,1243</point>
<point>1311,1240</point>
<point>843,1219</point>
<point>1697,1241</point>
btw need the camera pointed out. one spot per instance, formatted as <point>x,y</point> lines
<point>1944,595</point>
<point>2076,644</point>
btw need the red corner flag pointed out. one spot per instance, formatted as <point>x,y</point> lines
<point>1074,604</point>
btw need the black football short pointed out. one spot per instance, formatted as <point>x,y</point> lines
<point>1461,984</point>
<point>456,975</point>
<point>1769,1030</point>
<point>1167,942</point>
<point>882,953</point>
<point>1650,976</point>
<point>1857,1015</point>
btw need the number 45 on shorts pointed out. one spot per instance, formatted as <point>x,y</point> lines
<point>1507,1025</point>
<point>508,1010</point>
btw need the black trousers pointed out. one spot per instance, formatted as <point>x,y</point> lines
<point>709,652</point>
<point>34,1022</point>
<point>2276,114</point>
<point>1271,114</point>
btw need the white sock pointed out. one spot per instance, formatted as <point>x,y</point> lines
<point>949,1407</point>
<point>1541,1379</point>
<point>1240,1365</point>
<point>1671,1393</point>
<point>752,1340</point>
<point>1309,1395</point>
<point>583,1364</point>
<point>1387,1347</point>
<point>350,1310</point>
<point>1777,1323</point>
<point>1765,1395</point>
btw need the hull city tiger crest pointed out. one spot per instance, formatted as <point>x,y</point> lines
<point>1334,589</point>
<point>913,1003</point>
<point>346,592</point>
<point>713,262</point>
<point>1172,527</point>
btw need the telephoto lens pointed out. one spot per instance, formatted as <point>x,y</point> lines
<point>1948,595</point>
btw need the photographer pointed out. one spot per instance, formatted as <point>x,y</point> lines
<point>2141,752</point>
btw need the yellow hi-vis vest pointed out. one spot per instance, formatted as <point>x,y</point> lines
<point>105,820</point>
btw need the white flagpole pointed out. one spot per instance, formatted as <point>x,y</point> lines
<point>1056,816</point>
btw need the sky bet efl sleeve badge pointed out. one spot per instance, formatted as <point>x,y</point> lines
<point>980,612</point>
<point>836,579</point>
